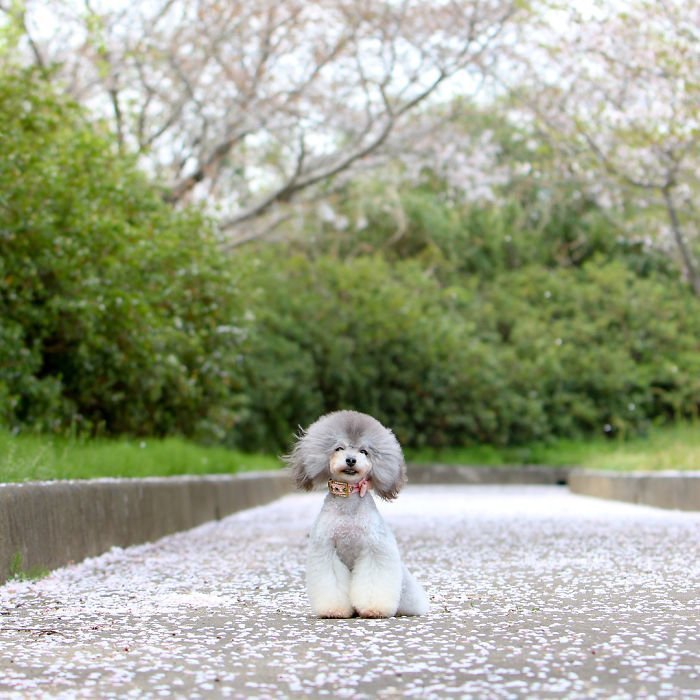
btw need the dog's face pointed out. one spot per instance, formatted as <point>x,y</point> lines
<point>350,464</point>
<point>348,446</point>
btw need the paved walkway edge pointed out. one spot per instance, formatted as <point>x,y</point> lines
<point>667,489</point>
<point>45,525</point>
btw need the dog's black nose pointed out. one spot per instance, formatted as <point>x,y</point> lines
<point>350,461</point>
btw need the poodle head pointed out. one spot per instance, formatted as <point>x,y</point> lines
<point>348,446</point>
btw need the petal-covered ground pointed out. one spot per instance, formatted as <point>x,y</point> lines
<point>535,593</point>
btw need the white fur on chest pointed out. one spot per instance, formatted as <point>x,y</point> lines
<point>351,526</point>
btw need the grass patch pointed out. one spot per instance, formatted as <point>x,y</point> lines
<point>670,447</point>
<point>19,573</point>
<point>40,457</point>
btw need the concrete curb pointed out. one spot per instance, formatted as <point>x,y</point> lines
<point>51,524</point>
<point>667,489</point>
<point>458,474</point>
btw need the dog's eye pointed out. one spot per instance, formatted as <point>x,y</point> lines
<point>363,452</point>
<point>339,449</point>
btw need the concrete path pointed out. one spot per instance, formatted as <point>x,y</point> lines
<point>536,593</point>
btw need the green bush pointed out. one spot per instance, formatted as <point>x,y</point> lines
<point>597,359</point>
<point>329,334</point>
<point>115,311</point>
<point>533,354</point>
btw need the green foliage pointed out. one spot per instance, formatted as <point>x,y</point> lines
<point>595,359</point>
<point>113,308</point>
<point>530,354</point>
<point>11,31</point>
<point>329,334</point>
<point>19,573</point>
<point>553,226</point>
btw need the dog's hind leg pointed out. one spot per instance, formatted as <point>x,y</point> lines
<point>328,583</point>
<point>413,600</point>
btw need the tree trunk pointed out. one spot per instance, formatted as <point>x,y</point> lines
<point>686,254</point>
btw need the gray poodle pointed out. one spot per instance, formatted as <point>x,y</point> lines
<point>354,566</point>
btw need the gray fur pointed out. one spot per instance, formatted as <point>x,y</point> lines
<point>310,456</point>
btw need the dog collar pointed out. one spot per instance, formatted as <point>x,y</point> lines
<point>341,488</point>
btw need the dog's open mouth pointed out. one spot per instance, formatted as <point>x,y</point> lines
<point>350,471</point>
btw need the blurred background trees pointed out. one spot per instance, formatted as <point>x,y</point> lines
<point>474,220</point>
<point>616,90</point>
<point>249,104</point>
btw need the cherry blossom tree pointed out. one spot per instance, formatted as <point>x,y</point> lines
<point>615,88</point>
<point>250,105</point>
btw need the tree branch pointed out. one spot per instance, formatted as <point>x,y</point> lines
<point>217,154</point>
<point>18,13</point>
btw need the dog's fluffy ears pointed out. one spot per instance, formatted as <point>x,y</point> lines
<point>310,456</point>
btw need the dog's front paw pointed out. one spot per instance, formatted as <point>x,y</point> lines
<point>336,613</point>
<point>375,592</point>
<point>376,612</point>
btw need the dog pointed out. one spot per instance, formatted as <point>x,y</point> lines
<point>353,566</point>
